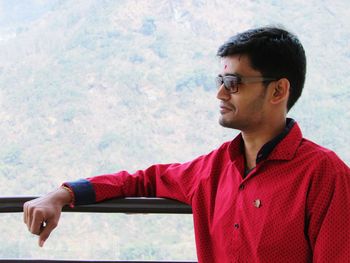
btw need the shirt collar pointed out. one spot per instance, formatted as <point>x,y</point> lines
<point>282,147</point>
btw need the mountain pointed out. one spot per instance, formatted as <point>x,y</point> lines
<point>96,86</point>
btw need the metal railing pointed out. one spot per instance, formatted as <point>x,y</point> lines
<point>120,205</point>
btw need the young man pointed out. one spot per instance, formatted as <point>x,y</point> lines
<point>267,196</point>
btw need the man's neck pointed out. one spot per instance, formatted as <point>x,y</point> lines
<point>254,140</point>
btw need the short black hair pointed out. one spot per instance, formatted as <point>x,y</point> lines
<point>274,52</point>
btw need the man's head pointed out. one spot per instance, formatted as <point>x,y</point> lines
<point>274,52</point>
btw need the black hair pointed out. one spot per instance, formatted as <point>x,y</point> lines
<point>274,52</point>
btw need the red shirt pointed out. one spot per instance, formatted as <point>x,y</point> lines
<point>294,206</point>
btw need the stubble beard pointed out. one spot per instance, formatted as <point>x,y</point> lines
<point>226,122</point>
<point>247,121</point>
<point>241,125</point>
<point>229,124</point>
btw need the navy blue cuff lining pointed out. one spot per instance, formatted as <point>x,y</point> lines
<point>83,192</point>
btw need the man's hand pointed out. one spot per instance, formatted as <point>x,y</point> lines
<point>41,215</point>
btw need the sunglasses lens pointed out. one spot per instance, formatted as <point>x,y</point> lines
<point>218,81</point>
<point>231,83</point>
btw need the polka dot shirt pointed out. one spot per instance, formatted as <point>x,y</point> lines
<point>294,206</point>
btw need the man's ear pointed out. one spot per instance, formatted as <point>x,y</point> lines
<point>280,91</point>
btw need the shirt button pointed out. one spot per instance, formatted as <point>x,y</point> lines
<point>236,226</point>
<point>241,187</point>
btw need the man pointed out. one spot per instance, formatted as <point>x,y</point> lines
<point>267,196</point>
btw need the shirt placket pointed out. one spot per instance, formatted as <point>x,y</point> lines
<point>237,220</point>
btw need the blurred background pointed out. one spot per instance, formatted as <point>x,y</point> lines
<point>96,86</point>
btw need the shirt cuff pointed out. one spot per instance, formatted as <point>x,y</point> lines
<point>83,190</point>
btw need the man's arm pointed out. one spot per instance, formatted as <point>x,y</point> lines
<point>329,214</point>
<point>175,181</point>
<point>170,181</point>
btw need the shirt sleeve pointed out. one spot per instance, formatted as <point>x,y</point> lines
<point>328,212</point>
<point>174,181</point>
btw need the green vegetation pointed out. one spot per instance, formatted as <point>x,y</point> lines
<point>91,87</point>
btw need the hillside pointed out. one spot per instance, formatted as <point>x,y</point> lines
<point>96,86</point>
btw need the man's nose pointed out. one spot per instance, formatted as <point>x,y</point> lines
<point>222,93</point>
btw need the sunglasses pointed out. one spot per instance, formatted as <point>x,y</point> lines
<point>232,81</point>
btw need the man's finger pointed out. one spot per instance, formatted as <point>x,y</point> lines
<point>37,222</point>
<point>25,213</point>
<point>29,216</point>
<point>46,231</point>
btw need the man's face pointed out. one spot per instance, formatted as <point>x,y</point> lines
<point>243,110</point>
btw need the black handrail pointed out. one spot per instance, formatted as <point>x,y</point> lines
<point>119,205</point>
<point>83,261</point>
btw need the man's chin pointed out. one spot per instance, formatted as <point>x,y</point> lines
<point>226,124</point>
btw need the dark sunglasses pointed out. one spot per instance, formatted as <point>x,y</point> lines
<point>232,81</point>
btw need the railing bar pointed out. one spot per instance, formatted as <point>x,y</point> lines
<point>85,261</point>
<point>119,205</point>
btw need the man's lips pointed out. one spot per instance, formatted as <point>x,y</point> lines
<point>225,108</point>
